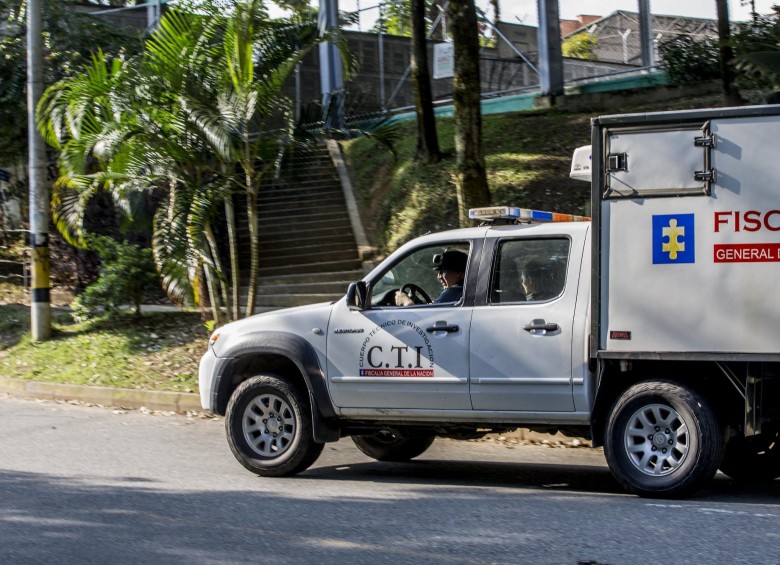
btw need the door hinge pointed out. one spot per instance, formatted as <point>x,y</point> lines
<point>704,176</point>
<point>707,140</point>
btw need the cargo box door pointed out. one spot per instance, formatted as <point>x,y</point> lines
<point>657,161</point>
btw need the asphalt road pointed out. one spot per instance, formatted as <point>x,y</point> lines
<point>83,485</point>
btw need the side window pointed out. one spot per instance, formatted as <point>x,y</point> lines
<point>419,275</point>
<point>529,270</point>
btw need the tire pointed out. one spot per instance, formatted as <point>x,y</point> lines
<point>662,440</point>
<point>752,460</point>
<point>387,446</point>
<point>269,428</point>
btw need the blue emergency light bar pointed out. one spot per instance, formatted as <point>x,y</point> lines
<point>511,213</point>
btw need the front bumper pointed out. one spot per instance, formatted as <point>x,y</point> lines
<point>206,378</point>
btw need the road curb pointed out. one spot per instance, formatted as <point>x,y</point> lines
<point>105,396</point>
<point>182,402</point>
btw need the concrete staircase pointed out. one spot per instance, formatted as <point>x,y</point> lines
<point>308,251</point>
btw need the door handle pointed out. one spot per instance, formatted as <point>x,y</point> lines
<point>443,328</point>
<point>541,325</point>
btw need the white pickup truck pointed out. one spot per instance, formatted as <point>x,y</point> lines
<point>653,330</point>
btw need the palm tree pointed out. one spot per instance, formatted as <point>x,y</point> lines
<point>189,118</point>
<point>109,140</point>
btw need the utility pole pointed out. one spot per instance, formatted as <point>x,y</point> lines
<point>331,70</point>
<point>152,15</point>
<point>550,58</point>
<point>646,47</point>
<point>40,312</point>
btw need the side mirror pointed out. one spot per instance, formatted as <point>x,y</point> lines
<point>357,295</point>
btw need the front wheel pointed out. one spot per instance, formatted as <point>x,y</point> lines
<point>269,428</point>
<point>662,440</point>
<point>387,446</point>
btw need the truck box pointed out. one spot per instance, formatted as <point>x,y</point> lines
<point>686,223</point>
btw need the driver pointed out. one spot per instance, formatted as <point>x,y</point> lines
<point>451,270</point>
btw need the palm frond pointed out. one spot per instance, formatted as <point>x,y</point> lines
<point>171,253</point>
<point>70,197</point>
<point>211,125</point>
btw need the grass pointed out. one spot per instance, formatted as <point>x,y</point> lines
<point>157,351</point>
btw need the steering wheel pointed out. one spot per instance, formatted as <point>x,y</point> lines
<point>387,299</point>
<point>418,295</point>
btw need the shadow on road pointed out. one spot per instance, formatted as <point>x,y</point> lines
<point>569,478</point>
<point>429,511</point>
<point>572,478</point>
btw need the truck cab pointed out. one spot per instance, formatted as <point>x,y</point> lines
<point>493,353</point>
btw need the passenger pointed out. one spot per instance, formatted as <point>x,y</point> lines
<point>532,278</point>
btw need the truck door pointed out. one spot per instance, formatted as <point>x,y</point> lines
<point>522,334</point>
<point>412,357</point>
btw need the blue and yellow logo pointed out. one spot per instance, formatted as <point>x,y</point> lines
<point>673,240</point>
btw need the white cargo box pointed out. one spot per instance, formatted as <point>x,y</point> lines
<point>688,232</point>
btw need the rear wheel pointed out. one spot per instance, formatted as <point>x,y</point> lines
<point>388,446</point>
<point>662,440</point>
<point>752,459</point>
<point>269,428</point>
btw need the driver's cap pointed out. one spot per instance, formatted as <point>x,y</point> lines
<point>450,260</point>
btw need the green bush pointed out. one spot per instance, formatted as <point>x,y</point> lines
<point>580,46</point>
<point>126,273</point>
<point>756,63</point>
<point>688,60</point>
<point>757,47</point>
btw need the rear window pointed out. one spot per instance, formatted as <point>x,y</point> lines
<point>529,270</point>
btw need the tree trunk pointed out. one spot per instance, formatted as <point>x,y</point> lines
<point>137,300</point>
<point>252,186</point>
<point>235,275</point>
<point>218,270</point>
<point>470,176</point>
<point>726,54</point>
<point>254,247</point>
<point>427,141</point>
<point>216,311</point>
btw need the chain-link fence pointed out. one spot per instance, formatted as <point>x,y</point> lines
<point>14,240</point>
<point>600,40</point>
